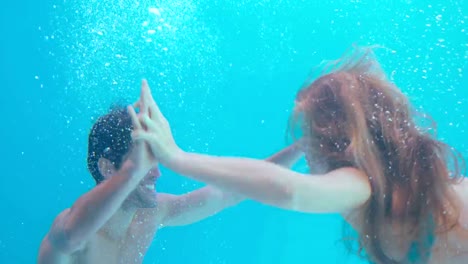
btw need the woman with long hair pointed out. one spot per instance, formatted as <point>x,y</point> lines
<point>395,183</point>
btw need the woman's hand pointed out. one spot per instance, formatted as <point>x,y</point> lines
<point>155,128</point>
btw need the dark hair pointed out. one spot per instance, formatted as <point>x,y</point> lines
<point>110,138</point>
<point>354,117</point>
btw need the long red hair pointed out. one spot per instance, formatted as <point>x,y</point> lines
<point>353,116</point>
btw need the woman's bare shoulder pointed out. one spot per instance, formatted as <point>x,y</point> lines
<point>461,190</point>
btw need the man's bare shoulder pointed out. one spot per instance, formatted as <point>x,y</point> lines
<point>48,254</point>
<point>462,186</point>
<point>50,251</point>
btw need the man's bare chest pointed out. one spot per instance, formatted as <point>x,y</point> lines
<point>128,249</point>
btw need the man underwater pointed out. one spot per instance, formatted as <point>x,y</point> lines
<point>117,220</point>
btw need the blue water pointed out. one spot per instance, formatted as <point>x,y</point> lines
<point>225,73</point>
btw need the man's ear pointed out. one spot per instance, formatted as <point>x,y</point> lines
<point>106,168</point>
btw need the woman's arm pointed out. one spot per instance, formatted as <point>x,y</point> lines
<point>337,191</point>
<point>204,202</point>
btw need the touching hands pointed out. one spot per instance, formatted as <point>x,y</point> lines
<point>151,126</point>
<point>140,159</point>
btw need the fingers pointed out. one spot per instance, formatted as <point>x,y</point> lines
<point>142,121</point>
<point>147,100</point>
<point>146,91</point>
<point>136,104</point>
<point>133,115</point>
<point>142,101</point>
<point>149,123</point>
<point>147,105</point>
<point>152,112</point>
<point>141,136</point>
<point>156,114</point>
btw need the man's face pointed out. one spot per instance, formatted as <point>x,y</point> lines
<point>144,195</point>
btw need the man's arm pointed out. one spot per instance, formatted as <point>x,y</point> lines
<point>195,206</point>
<point>288,156</point>
<point>207,201</point>
<point>73,227</point>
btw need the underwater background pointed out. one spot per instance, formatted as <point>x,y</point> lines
<point>225,74</point>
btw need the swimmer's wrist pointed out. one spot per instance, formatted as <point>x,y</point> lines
<point>177,159</point>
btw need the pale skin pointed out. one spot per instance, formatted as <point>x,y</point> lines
<point>117,220</point>
<point>342,191</point>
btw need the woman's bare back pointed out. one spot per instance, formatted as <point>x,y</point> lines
<point>452,250</point>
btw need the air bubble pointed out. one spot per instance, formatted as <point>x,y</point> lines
<point>154,11</point>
